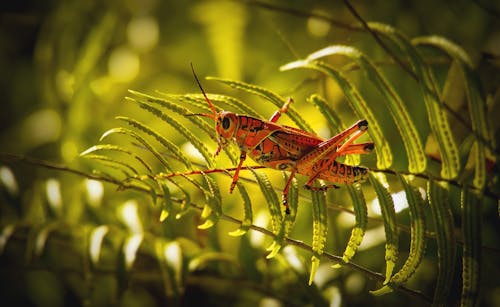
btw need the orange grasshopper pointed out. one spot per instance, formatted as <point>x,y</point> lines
<point>290,149</point>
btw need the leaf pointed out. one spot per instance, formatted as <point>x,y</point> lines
<point>201,261</point>
<point>213,207</point>
<point>358,104</point>
<point>417,239</point>
<point>320,230</point>
<point>277,100</point>
<point>141,140</point>
<point>197,143</point>
<point>438,119</point>
<point>361,214</point>
<point>417,161</point>
<point>471,257</point>
<point>118,149</point>
<point>444,227</point>
<point>124,167</point>
<point>167,204</point>
<point>288,220</point>
<point>271,198</point>
<point>209,130</point>
<point>247,206</point>
<point>171,147</point>
<point>475,99</point>
<point>390,225</point>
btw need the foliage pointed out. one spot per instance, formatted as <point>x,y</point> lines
<point>148,219</point>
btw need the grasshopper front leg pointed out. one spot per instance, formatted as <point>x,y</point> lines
<point>243,156</point>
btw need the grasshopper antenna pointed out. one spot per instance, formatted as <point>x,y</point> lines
<point>214,112</point>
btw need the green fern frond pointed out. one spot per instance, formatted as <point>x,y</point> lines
<point>166,201</point>
<point>417,239</point>
<point>438,119</point>
<point>361,216</point>
<point>288,220</point>
<point>128,170</point>
<point>248,212</point>
<point>277,100</point>
<point>213,207</point>
<point>390,225</point>
<point>320,230</point>
<point>271,198</point>
<point>471,257</point>
<point>359,105</point>
<point>171,147</point>
<point>417,161</point>
<point>197,143</point>
<point>444,226</point>
<point>141,140</point>
<point>475,100</point>
<point>117,148</point>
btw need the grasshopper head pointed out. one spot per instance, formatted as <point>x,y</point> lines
<point>226,125</point>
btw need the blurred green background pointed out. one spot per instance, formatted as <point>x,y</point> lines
<point>66,67</point>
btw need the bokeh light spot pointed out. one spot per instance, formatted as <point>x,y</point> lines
<point>123,64</point>
<point>143,33</point>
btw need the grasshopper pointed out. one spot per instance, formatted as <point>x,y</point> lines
<point>289,149</point>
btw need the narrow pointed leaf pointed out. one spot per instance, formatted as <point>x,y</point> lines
<point>171,147</point>
<point>417,239</point>
<point>166,201</point>
<point>118,149</point>
<point>444,227</point>
<point>471,256</point>
<point>141,140</point>
<point>247,207</point>
<point>390,226</point>
<point>271,198</point>
<point>213,207</point>
<point>361,214</point>
<point>288,220</point>
<point>320,229</point>
<point>125,167</point>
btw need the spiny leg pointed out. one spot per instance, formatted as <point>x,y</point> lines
<point>284,196</point>
<point>283,109</point>
<point>243,156</point>
<point>338,152</point>
<point>324,149</point>
<point>362,148</point>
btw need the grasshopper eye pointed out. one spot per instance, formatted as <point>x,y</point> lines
<point>225,123</point>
